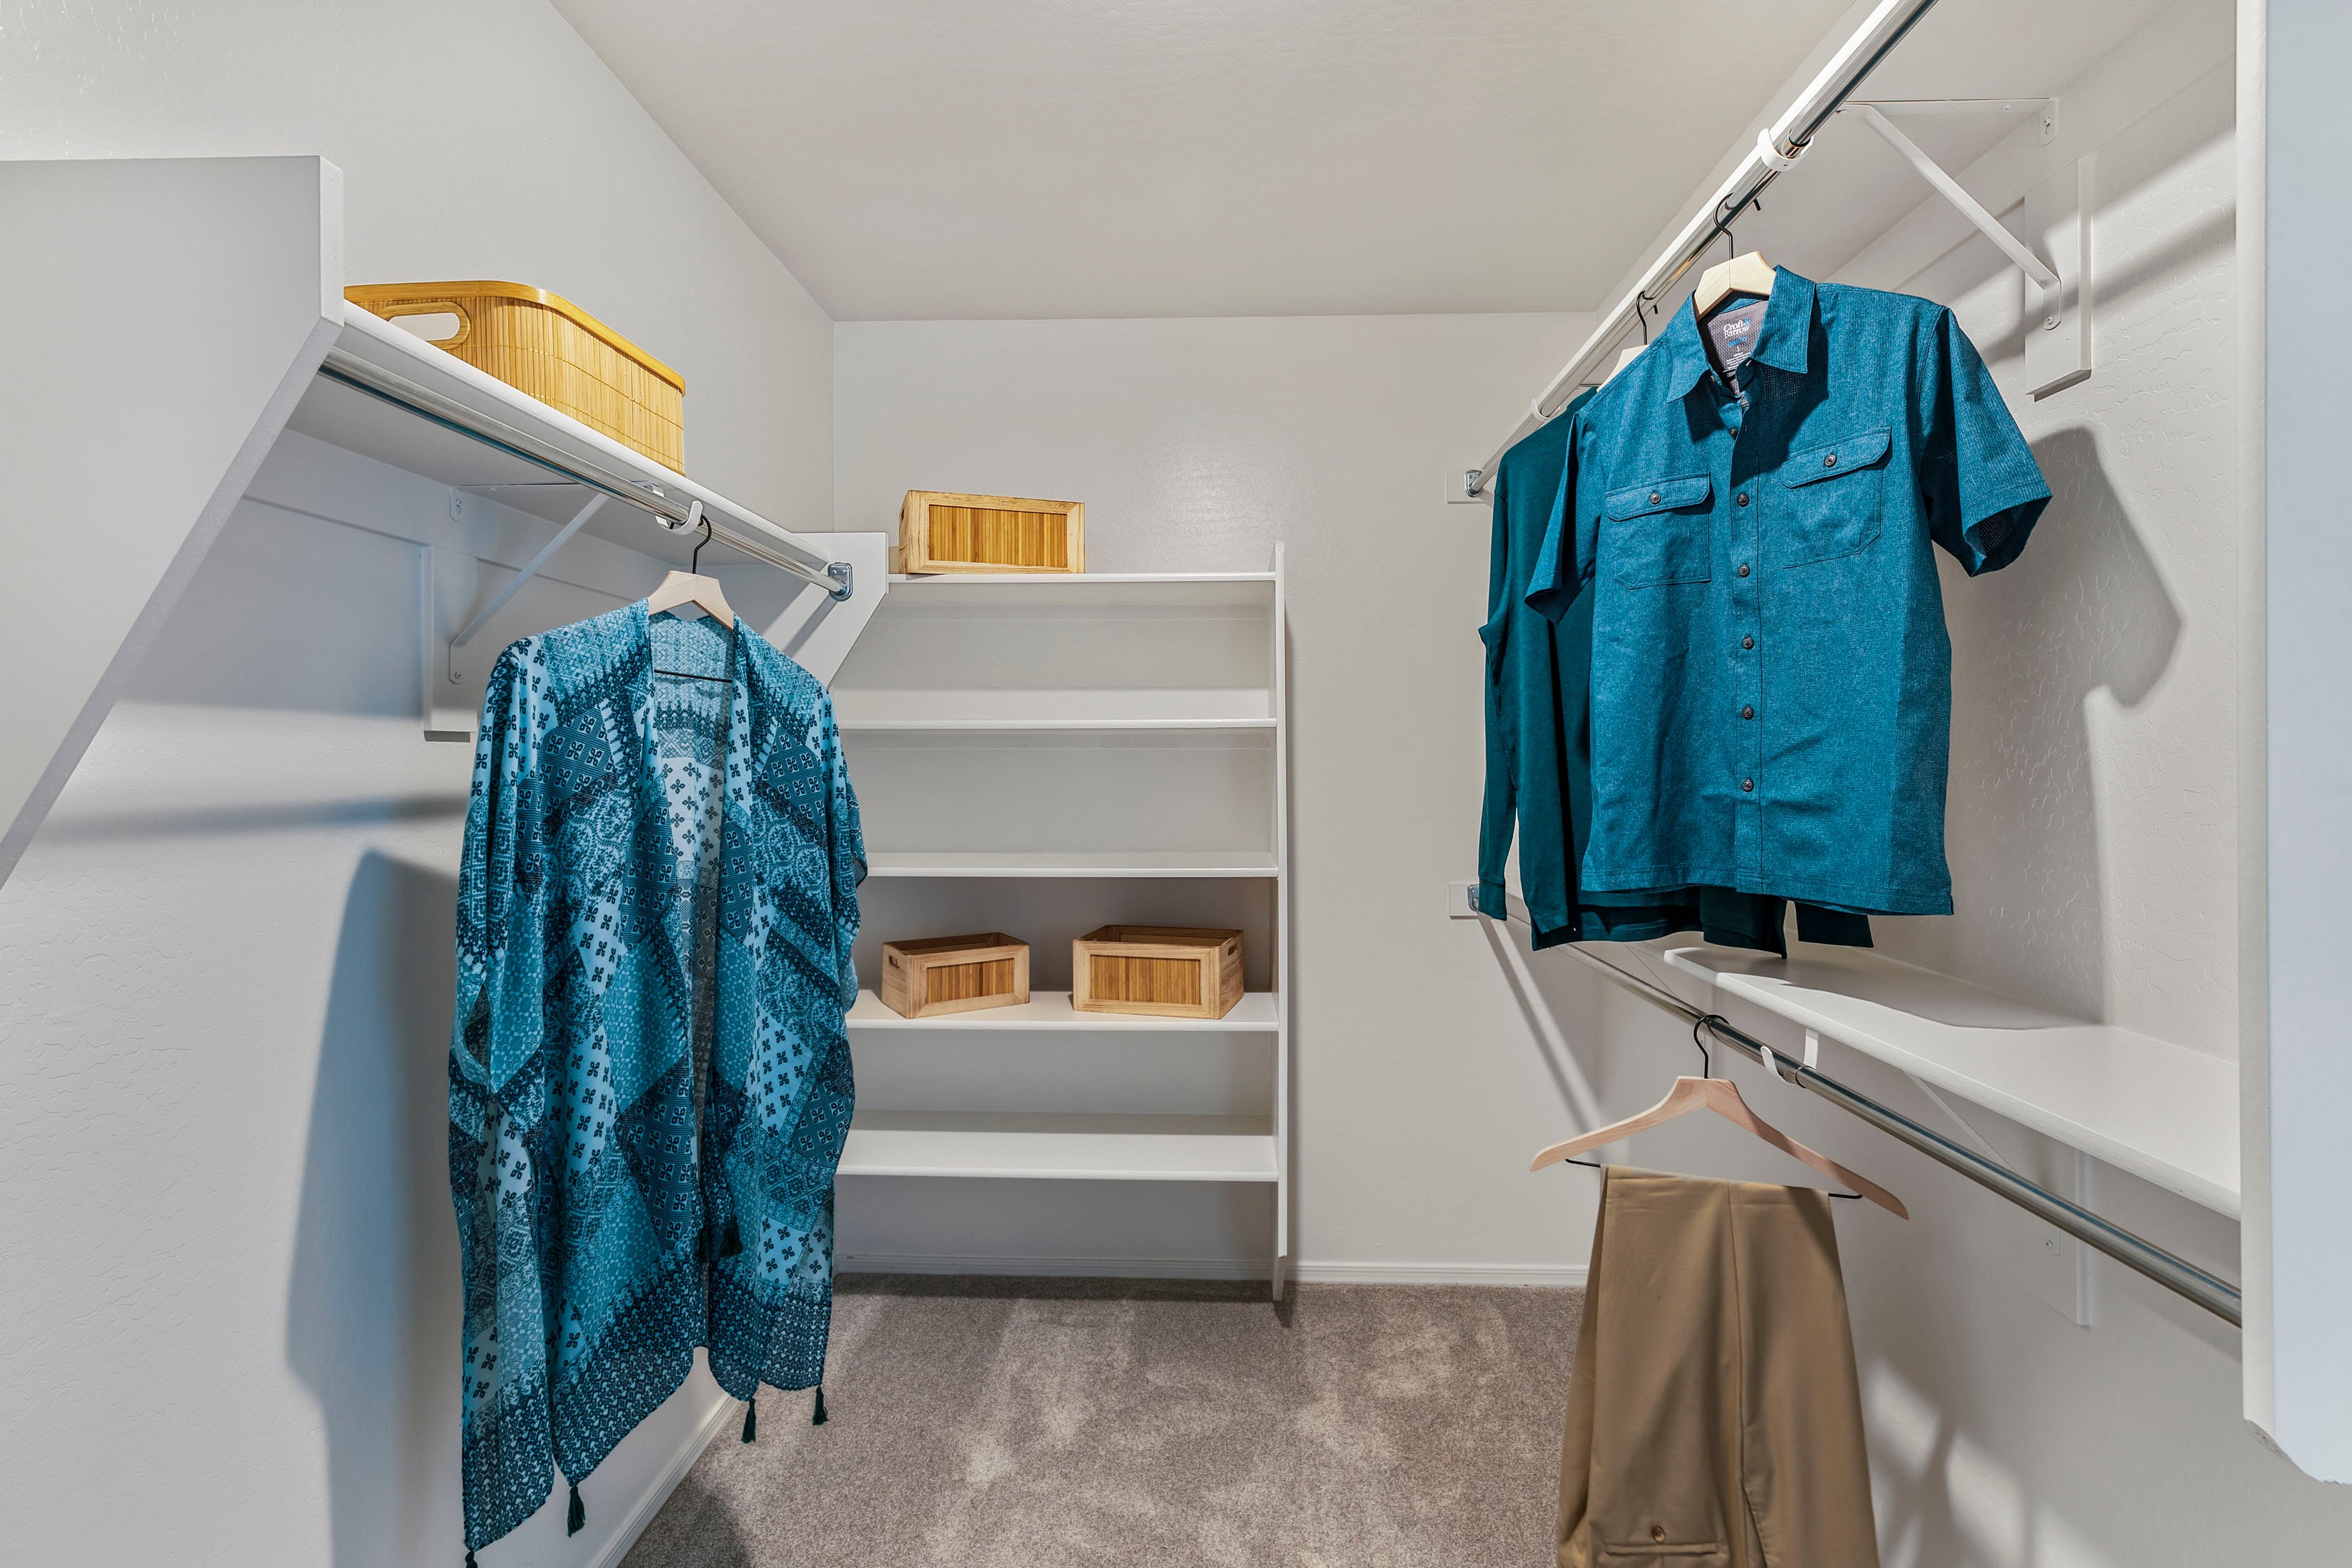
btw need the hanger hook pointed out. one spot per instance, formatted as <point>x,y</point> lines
<point>694,562</point>
<point>1642,314</point>
<point>1698,1038</point>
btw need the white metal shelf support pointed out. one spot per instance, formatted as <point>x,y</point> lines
<point>1776,151</point>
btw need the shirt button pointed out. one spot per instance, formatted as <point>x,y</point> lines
<point>1654,498</point>
<point>1743,498</point>
<point>1828,460</point>
<point>1658,1532</point>
<point>1743,569</point>
<point>1747,786</point>
<point>1748,710</point>
<point>1746,642</point>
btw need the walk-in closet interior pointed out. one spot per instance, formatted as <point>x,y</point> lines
<point>1366,784</point>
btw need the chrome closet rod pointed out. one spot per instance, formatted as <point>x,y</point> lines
<point>1776,150</point>
<point>833,576</point>
<point>2176,1274</point>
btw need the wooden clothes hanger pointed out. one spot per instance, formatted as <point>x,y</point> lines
<point>1722,1096</point>
<point>1625,356</point>
<point>689,587</point>
<point>1745,273</point>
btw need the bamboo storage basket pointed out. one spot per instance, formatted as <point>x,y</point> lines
<point>947,531</point>
<point>544,344</point>
<point>954,974</point>
<point>1163,972</point>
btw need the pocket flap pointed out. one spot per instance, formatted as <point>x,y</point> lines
<point>1658,495</point>
<point>1841,457</point>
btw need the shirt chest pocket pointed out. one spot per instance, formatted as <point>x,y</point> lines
<point>1833,497</point>
<point>1659,533</point>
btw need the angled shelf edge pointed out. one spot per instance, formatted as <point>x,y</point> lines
<point>2160,1111</point>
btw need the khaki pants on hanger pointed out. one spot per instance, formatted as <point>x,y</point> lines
<point>1714,1419</point>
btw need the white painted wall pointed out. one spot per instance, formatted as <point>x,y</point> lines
<point>231,1326</point>
<point>1196,445</point>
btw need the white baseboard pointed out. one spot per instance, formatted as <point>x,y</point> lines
<point>1539,1275</point>
<point>658,1493</point>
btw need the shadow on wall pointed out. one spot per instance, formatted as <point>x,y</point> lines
<point>372,1308</point>
<point>2085,610</point>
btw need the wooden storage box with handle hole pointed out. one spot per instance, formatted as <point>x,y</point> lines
<point>544,344</point>
<point>1163,972</point>
<point>954,974</point>
<point>942,531</point>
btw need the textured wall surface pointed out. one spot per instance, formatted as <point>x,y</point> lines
<point>1197,445</point>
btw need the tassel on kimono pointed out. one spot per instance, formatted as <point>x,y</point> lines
<point>752,1418</point>
<point>469,1561</point>
<point>578,1515</point>
<point>818,1419</point>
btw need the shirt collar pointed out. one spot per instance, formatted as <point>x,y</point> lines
<point>1785,342</point>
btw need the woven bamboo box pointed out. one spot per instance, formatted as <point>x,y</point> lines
<point>944,531</point>
<point>943,974</point>
<point>1165,972</point>
<point>545,345</point>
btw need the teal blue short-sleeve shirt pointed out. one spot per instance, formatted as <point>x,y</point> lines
<point>1771,679</point>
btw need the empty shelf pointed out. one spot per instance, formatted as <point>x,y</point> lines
<point>1060,1147</point>
<point>1070,863</point>
<point>2161,1111</point>
<point>1052,1010</point>
<point>1244,707</point>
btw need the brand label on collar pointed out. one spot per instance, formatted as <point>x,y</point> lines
<point>1732,332</point>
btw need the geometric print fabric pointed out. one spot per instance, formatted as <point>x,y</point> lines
<point>649,1080</point>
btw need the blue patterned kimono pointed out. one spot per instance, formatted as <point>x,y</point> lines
<point>649,1077</point>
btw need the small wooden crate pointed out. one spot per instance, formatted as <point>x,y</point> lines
<point>939,530</point>
<point>954,974</point>
<point>1166,972</point>
<point>544,344</point>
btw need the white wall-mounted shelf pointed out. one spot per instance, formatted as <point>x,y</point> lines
<point>1257,1011</point>
<point>2160,1111</point>
<point>1008,591</point>
<point>1064,1147</point>
<point>1072,863</point>
<point>1076,708</point>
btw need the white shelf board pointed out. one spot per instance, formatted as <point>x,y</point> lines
<point>343,416</point>
<point>1070,863</point>
<point>1083,590</point>
<point>2161,1111</point>
<point>982,708</point>
<point>1052,1010</point>
<point>1060,1147</point>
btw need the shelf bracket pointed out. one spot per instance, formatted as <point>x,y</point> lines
<point>2057,345</point>
<point>530,569</point>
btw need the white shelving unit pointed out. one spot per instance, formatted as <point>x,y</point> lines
<point>1045,755</point>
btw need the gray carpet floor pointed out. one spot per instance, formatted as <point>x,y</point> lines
<point>1056,1424</point>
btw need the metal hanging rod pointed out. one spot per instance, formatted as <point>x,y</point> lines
<point>1775,152</point>
<point>777,549</point>
<point>2176,1274</point>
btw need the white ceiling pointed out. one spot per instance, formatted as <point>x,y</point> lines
<point>916,160</point>
<point>1060,158</point>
